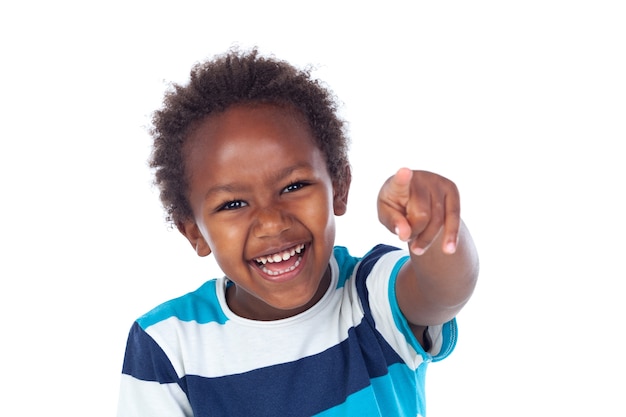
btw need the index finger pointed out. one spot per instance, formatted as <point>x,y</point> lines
<point>452,221</point>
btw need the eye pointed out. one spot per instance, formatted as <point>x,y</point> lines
<point>295,186</point>
<point>232,205</point>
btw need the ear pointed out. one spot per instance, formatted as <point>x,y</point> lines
<point>190,230</point>
<point>341,187</point>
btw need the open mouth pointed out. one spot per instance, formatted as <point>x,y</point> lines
<point>281,262</point>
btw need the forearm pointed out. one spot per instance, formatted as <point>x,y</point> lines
<point>434,286</point>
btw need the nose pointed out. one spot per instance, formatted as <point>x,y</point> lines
<point>271,221</point>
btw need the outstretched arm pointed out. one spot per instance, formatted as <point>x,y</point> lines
<point>423,209</point>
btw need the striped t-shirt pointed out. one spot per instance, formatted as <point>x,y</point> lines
<point>351,354</point>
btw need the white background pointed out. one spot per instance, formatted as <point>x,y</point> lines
<point>522,104</point>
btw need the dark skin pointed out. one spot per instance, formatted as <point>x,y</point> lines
<point>423,209</point>
<point>259,188</point>
<point>268,218</point>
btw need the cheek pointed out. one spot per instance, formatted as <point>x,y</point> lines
<point>319,215</point>
<point>227,244</point>
<point>223,236</point>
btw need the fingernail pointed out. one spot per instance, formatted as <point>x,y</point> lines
<point>398,234</point>
<point>418,251</point>
<point>450,247</point>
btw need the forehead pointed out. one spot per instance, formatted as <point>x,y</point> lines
<point>245,137</point>
<point>250,117</point>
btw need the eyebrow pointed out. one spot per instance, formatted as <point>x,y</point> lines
<point>276,177</point>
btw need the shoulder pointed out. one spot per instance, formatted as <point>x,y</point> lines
<point>378,253</point>
<point>347,262</point>
<point>381,256</point>
<point>201,305</point>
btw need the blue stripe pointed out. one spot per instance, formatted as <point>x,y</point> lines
<point>301,388</point>
<point>398,317</point>
<point>450,336</point>
<point>201,306</point>
<point>449,331</point>
<point>145,360</point>
<point>346,264</point>
<point>399,393</point>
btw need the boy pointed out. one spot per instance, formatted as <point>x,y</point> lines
<point>251,161</point>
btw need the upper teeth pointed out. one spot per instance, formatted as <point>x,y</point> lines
<point>281,256</point>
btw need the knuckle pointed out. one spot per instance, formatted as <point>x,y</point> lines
<point>418,219</point>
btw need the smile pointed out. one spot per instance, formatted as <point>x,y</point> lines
<point>281,262</point>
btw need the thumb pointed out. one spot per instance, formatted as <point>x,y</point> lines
<point>399,187</point>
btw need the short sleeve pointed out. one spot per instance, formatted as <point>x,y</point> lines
<point>382,266</point>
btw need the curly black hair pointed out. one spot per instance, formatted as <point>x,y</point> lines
<point>233,78</point>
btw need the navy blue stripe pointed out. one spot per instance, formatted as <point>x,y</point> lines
<point>145,360</point>
<point>300,388</point>
<point>365,268</point>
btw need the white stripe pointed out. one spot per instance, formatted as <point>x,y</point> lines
<point>147,398</point>
<point>273,342</point>
<point>378,287</point>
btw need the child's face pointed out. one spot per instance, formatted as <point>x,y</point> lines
<point>264,205</point>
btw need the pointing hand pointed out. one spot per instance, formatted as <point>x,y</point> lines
<point>418,206</point>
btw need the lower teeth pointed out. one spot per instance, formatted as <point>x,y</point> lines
<point>291,268</point>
